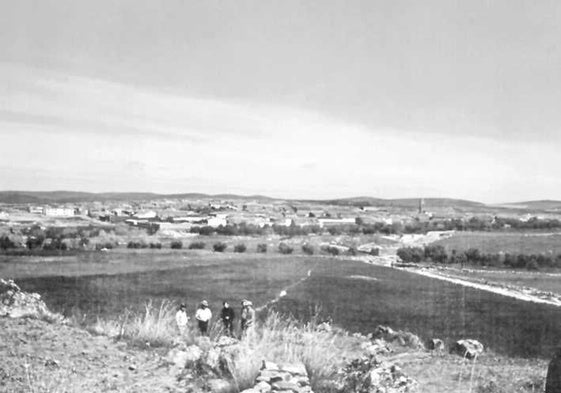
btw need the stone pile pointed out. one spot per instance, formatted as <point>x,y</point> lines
<point>15,303</point>
<point>368,375</point>
<point>468,348</point>
<point>405,339</point>
<point>287,378</point>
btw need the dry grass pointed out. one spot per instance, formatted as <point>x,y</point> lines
<point>279,339</point>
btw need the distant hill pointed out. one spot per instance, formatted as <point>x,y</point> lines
<point>31,197</point>
<point>536,205</point>
<point>405,202</point>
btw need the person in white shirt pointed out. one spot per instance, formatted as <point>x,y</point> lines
<point>181,319</point>
<point>203,316</point>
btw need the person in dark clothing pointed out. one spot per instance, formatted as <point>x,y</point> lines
<point>228,316</point>
<point>553,379</point>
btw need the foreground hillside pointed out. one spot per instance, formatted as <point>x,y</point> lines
<point>37,356</point>
<point>40,352</point>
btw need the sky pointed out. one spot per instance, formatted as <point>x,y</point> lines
<point>292,99</point>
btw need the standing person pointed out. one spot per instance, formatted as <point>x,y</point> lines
<point>203,316</point>
<point>181,319</point>
<point>247,318</point>
<point>227,315</point>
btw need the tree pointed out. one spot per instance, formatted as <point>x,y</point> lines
<point>285,248</point>
<point>262,248</point>
<point>219,247</point>
<point>240,247</point>
<point>176,244</point>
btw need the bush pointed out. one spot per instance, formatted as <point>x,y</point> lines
<point>240,247</point>
<point>219,247</point>
<point>331,250</point>
<point>136,244</point>
<point>176,244</point>
<point>6,243</point>
<point>262,248</point>
<point>285,249</point>
<point>375,252</point>
<point>156,245</point>
<point>411,254</point>
<point>308,249</point>
<point>436,253</point>
<point>197,246</point>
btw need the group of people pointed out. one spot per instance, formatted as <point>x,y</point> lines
<point>203,315</point>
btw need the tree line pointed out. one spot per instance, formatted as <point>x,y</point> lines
<point>474,256</point>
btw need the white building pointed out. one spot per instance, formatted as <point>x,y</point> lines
<point>58,212</point>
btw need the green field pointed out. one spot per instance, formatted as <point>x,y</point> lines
<point>356,295</point>
<point>507,242</point>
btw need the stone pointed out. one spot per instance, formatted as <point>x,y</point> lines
<point>286,386</point>
<point>250,390</point>
<point>183,358</point>
<point>468,348</point>
<point>263,387</point>
<point>217,385</point>
<point>270,376</point>
<point>266,365</point>
<point>225,341</point>
<point>436,344</point>
<point>294,368</point>
<point>553,379</point>
<point>15,303</point>
<point>212,359</point>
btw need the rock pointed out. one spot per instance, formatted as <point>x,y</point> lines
<point>436,344</point>
<point>468,348</point>
<point>212,359</point>
<point>376,347</point>
<point>553,379</point>
<point>294,368</point>
<point>183,358</point>
<point>132,367</point>
<point>324,327</point>
<point>285,386</point>
<point>217,385</point>
<point>263,387</point>
<point>15,303</point>
<point>250,390</point>
<point>269,366</point>
<point>373,376</point>
<point>405,339</point>
<point>224,341</point>
<point>270,376</point>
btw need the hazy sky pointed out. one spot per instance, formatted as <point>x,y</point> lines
<point>286,98</point>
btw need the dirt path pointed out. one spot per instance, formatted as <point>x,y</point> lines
<point>36,356</point>
<point>525,294</point>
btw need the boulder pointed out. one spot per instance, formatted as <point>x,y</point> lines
<point>225,341</point>
<point>403,338</point>
<point>468,348</point>
<point>373,376</point>
<point>294,368</point>
<point>263,387</point>
<point>15,303</point>
<point>553,379</point>
<point>436,344</point>
<point>217,385</point>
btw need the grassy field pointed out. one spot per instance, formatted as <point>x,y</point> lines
<point>356,295</point>
<point>507,242</point>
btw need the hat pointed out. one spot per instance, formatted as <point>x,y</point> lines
<point>204,303</point>
<point>182,305</point>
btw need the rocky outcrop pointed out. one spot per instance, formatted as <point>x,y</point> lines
<point>436,344</point>
<point>15,303</point>
<point>368,375</point>
<point>287,378</point>
<point>406,339</point>
<point>468,348</point>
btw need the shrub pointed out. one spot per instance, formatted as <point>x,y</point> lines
<point>262,248</point>
<point>176,244</point>
<point>436,253</point>
<point>285,249</point>
<point>6,243</point>
<point>331,250</point>
<point>156,245</point>
<point>308,249</point>
<point>411,254</point>
<point>136,244</point>
<point>375,252</point>
<point>240,247</point>
<point>197,246</point>
<point>219,247</point>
